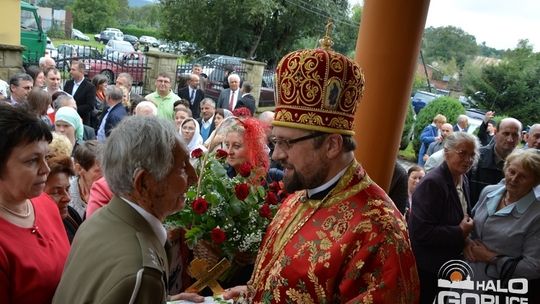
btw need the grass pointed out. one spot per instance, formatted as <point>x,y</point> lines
<point>408,153</point>
<point>91,43</point>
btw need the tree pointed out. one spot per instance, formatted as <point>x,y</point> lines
<point>56,4</point>
<point>447,43</point>
<point>511,87</point>
<point>94,15</point>
<point>259,29</point>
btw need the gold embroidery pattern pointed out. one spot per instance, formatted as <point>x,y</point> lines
<point>324,82</point>
<point>311,119</point>
<point>326,244</point>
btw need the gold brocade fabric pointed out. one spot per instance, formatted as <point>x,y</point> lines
<point>350,247</point>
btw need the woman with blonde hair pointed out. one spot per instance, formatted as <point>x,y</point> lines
<point>505,243</point>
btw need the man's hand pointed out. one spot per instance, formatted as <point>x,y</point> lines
<point>234,292</point>
<point>466,225</point>
<point>489,116</point>
<point>187,296</point>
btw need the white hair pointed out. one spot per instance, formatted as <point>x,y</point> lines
<point>146,105</point>
<point>138,143</point>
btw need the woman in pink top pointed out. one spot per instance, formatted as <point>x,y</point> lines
<point>33,242</point>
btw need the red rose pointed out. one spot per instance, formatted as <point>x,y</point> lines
<point>200,205</point>
<point>241,191</point>
<point>271,198</point>
<point>197,153</point>
<point>265,211</point>
<point>245,169</point>
<point>218,235</point>
<point>274,186</point>
<point>220,153</point>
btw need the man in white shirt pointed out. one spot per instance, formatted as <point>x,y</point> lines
<point>206,121</point>
<point>193,94</point>
<point>228,98</point>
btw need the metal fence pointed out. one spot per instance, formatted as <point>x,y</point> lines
<point>110,64</point>
<point>215,69</point>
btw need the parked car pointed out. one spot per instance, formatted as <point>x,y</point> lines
<point>116,46</point>
<point>149,40</point>
<point>78,35</point>
<point>131,39</point>
<point>69,52</point>
<point>105,36</point>
<point>134,63</point>
<point>96,37</point>
<point>421,99</point>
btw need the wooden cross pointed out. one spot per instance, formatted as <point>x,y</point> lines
<point>198,269</point>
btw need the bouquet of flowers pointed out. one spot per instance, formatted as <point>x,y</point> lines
<point>231,214</point>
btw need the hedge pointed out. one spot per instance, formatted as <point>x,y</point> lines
<point>138,32</point>
<point>447,106</point>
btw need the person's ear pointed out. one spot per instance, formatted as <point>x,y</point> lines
<point>334,145</point>
<point>141,181</point>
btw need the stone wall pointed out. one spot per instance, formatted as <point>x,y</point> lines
<point>159,62</point>
<point>10,60</point>
<point>254,74</point>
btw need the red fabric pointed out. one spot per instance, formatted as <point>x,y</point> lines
<point>354,250</point>
<point>32,259</point>
<point>100,195</point>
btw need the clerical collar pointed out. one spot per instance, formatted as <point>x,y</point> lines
<point>326,187</point>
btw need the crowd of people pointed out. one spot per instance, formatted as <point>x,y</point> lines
<point>89,172</point>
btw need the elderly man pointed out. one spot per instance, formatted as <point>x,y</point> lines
<point>46,63</point>
<point>125,80</point>
<point>84,93</point>
<point>119,254</point>
<point>163,97</point>
<point>337,238</point>
<point>462,124</point>
<point>53,80</point>
<point>192,93</point>
<point>145,108</point>
<point>114,113</point>
<point>20,86</point>
<point>206,121</point>
<point>533,137</point>
<point>228,98</point>
<point>489,170</point>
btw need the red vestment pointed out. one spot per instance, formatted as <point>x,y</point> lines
<point>350,247</point>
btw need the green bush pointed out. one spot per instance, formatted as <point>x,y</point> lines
<point>408,128</point>
<point>138,32</point>
<point>56,31</point>
<point>447,106</point>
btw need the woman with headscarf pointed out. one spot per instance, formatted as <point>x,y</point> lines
<point>69,123</point>
<point>192,136</point>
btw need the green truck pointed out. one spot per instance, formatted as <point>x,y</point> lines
<point>33,37</point>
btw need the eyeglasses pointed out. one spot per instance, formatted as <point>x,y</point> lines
<point>286,144</point>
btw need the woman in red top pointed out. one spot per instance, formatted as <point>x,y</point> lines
<point>33,242</point>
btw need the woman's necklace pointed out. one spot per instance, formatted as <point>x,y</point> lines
<point>17,214</point>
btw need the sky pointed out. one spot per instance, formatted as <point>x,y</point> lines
<point>501,24</point>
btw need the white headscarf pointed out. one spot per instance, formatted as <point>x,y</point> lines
<point>197,140</point>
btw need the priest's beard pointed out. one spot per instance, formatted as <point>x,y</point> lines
<point>312,178</point>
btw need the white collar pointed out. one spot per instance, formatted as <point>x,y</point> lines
<point>153,221</point>
<point>328,184</point>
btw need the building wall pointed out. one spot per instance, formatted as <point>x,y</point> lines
<point>10,22</point>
